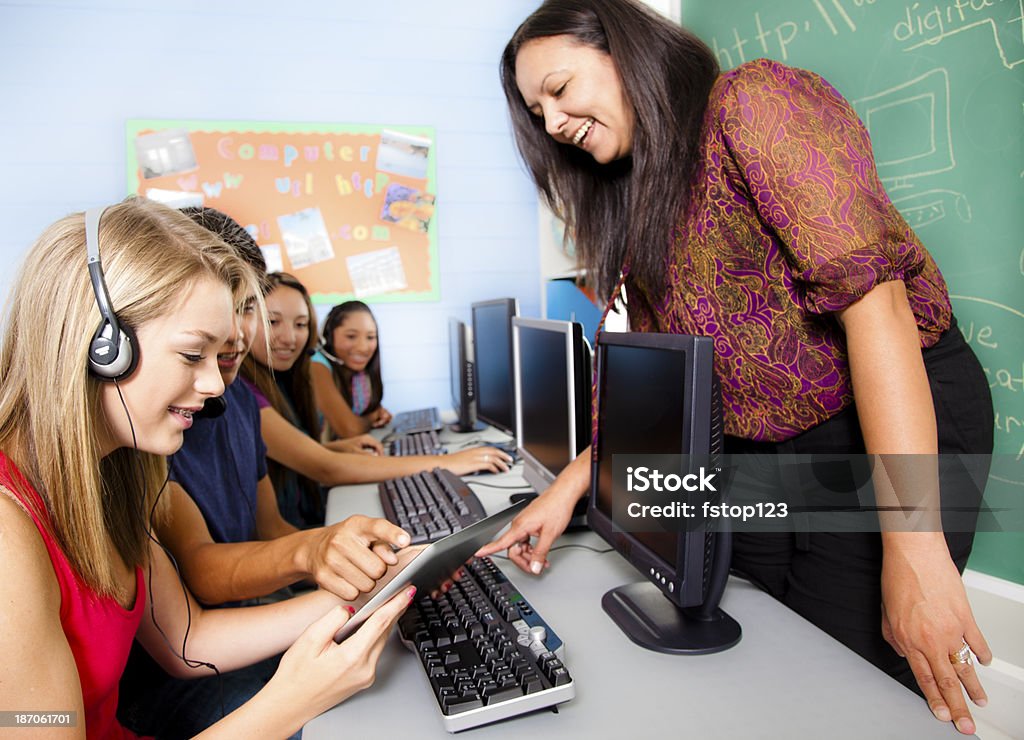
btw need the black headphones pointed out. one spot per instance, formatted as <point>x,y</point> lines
<point>112,356</point>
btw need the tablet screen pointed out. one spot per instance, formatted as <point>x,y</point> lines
<point>428,567</point>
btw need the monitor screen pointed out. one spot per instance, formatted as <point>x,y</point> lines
<point>646,420</point>
<point>552,380</point>
<point>657,395</point>
<point>492,347</point>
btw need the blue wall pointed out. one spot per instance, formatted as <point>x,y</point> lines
<point>72,71</point>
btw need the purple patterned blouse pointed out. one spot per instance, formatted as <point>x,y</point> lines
<point>789,224</point>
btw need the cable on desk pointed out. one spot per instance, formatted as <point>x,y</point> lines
<point>566,547</point>
<point>520,488</point>
<point>463,443</point>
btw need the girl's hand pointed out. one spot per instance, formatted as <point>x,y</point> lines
<point>379,418</point>
<point>476,460</point>
<point>317,673</point>
<point>362,444</point>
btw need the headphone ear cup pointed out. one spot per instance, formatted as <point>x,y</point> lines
<point>108,362</point>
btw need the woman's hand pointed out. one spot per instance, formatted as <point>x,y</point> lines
<point>321,673</point>
<point>926,618</point>
<point>362,444</point>
<point>476,460</point>
<point>545,518</point>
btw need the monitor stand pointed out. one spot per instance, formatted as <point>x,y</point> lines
<point>652,621</point>
<point>460,428</point>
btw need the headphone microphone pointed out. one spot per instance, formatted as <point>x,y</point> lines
<point>322,349</point>
<point>213,407</point>
<point>112,356</point>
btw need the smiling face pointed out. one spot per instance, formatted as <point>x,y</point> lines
<point>577,90</point>
<point>355,340</point>
<point>236,347</point>
<point>288,317</point>
<point>177,372</point>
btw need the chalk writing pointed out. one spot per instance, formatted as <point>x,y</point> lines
<point>928,24</point>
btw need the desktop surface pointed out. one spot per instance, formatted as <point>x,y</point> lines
<point>785,679</point>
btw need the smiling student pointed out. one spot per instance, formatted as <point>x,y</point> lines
<point>346,371</point>
<point>82,449</point>
<point>278,370</point>
<point>228,537</point>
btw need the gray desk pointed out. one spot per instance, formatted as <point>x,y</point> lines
<point>785,679</point>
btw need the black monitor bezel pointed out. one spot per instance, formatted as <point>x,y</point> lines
<point>512,305</point>
<point>684,582</point>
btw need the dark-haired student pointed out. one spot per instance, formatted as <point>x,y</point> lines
<point>277,368</point>
<point>228,537</point>
<point>746,206</point>
<point>346,371</point>
<point>82,464</point>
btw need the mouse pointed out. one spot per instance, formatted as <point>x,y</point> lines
<point>507,447</point>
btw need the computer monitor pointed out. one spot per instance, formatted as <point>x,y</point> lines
<point>657,395</point>
<point>492,348</point>
<point>552,373</point>
<point>463,377</point>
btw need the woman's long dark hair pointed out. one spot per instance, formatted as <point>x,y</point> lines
<point>290,392</point>
<point>342,374</point>
<point>630,207</point>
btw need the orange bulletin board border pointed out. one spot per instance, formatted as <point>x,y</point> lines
<point>348,208</point>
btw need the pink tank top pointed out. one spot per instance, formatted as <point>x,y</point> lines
<point>98,629</point>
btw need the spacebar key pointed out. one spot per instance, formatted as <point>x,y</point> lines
<point>457,704</point>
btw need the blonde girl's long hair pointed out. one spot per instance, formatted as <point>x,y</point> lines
<point>50,413</point>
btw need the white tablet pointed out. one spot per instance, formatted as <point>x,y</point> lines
<point>432,566</point>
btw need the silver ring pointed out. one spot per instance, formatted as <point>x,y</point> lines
<point>961,656</point>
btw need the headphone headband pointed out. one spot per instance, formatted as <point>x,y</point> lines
<point>111,356</point>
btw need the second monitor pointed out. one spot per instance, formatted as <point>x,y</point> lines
<point>492,340</point>
<point>552,391</point>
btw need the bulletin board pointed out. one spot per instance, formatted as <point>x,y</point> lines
<point>348,209</point>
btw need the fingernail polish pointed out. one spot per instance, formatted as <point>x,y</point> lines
<point>535,567</point>
<point>411,592</point>
<point>350,609</point>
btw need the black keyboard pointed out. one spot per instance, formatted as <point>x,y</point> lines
<point>420,420</point>
<point>430,505</point>
<point>420,443</point>
<point>486,652</point>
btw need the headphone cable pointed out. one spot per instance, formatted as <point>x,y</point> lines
<point>189,662</point>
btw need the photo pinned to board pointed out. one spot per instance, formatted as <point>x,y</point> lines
<point>167,152</point>
<point>373,273</point>
<point>305,237</point>
<point>272,256</point>
<point>407,208</point>
<point>403,154</point>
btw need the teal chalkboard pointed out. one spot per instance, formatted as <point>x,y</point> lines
<point>940,86</point>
